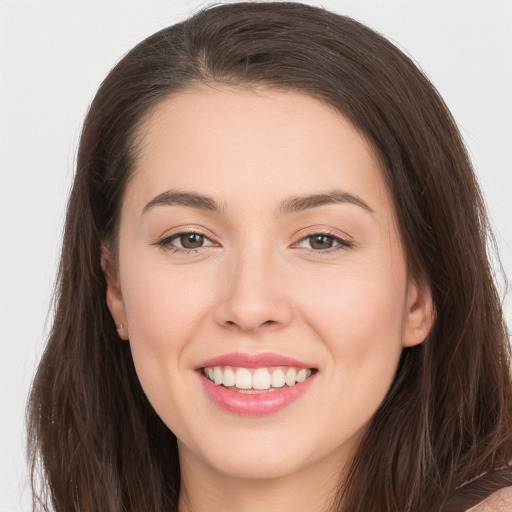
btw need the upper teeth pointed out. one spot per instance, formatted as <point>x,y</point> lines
<point>256,378</point>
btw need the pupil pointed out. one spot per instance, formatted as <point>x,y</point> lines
<point>321,242</point>
<point>191,241</point>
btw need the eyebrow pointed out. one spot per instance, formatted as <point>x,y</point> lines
<point>292,204</point>
<point>190,199</point>
<point>305,202</point>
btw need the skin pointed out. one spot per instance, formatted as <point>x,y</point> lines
<point>259,285</point>
<point>500,501</point>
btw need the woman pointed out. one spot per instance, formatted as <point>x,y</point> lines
<point>274,289</point>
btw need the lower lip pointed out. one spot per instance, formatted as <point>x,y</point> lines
<point>254,404</point>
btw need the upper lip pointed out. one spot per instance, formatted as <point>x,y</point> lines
<point>246,360</point>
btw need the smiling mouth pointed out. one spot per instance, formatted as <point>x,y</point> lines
<point>256,380</point>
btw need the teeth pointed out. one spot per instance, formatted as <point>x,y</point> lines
<point>278,379</point>
<point>217,376</point>
<point>301,375</point>
<point>290,376</point>
<point>229,378</point>
<point>243,379</point>
<point>259,379</point>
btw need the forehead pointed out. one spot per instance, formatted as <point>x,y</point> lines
<point>265,143</point>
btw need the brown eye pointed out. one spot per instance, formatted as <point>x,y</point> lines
<point>185,242</point>
<point>321,241</point>
<point>191,240</point>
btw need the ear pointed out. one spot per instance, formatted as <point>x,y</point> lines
<point>114,296</point>
<point>419,313</point>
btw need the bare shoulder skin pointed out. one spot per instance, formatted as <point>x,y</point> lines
<point>500,501</point>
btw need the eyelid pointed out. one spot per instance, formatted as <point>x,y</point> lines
<point>344,241</point>
<point>165,241</point>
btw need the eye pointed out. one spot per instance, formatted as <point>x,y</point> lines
<point>185,242</point>
<point>323,242</point>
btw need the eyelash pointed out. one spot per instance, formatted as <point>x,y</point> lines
<point>342,243</point>
<point>166,243</point>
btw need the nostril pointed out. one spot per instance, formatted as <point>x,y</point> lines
<point>266,322</point>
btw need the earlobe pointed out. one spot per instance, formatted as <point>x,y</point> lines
<point>419,313</point>
<point>114,296</point>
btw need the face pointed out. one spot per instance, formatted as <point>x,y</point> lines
<point>261,281</point>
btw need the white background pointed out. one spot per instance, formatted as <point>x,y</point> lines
<point>53,56</point>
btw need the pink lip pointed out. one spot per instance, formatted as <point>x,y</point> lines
<point>252,361</point>
<point>257,404</point>
<point>253,404</point>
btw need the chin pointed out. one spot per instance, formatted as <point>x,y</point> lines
<point>254,455</point>
<point>260,469</point>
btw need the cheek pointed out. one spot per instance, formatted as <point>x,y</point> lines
<point>359,321</point>
<point>163,311</point>
<point>162,305</point>
<point>359,317</point>
<point>356,304</point>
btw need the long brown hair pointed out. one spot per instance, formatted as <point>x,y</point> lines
<point>95,442</point>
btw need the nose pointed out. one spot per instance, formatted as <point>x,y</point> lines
<point>253,294</point>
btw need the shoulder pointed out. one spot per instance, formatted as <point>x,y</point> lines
<point>500,501</point>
